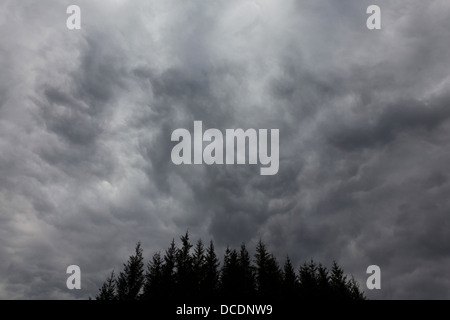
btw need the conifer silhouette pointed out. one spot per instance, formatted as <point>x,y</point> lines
<point>169,272</point>
<point>131,279</point>
<point>153,278</point>
<point>268,273</point>
<point>230,274</point>
<point>246,275</point>
<point>186,274</point>
<point>185,277</point>
<point>198,268</point>
<point>209,285</point>
<point>290,281</point>
<point>108,289</point>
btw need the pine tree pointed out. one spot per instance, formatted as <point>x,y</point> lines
<point>108,289</point>
<point>290,281</point>
<point>274,278</point>
<point>338,283</point>
<point>168,272</point>
<point>323,283</point>
<point>198,265</point>
<point>355,292</point>
<point>261,257</point>
<point>308,281</point>
<point>153,278</point>
<point>130,280</point>
<point>246,274</point>
<point>210,283</point>
<point>184,265</point>
<point>268,273</point>
<point>229,274</point>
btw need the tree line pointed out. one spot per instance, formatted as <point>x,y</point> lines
<point>195,273</point>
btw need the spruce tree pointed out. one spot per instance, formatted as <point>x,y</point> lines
<point>323,283</point>
<point>131,279</point>
<point>308,281</point>
<point>355,292</point>
<point>268,273</point>
<point>108,289</point>
<point>210,283</point>
<point>246,274</point>
<point>168,272</point>
<point>198,266</point>
<point>261,257</point>
<point>153,278</point>
<point>229,274</point>
<point>274,278</point>
<point>338,283</point>
<point>290,281</point>
<point>184,269</point>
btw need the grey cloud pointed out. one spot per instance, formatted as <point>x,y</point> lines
<point>86,120</point>
<point>404,117</point>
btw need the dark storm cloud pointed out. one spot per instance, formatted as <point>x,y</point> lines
<point>405,117</point>
<point>87,116</point>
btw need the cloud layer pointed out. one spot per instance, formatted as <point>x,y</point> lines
<point>86,119</point>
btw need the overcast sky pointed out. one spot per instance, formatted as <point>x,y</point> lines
<point>86,118</point>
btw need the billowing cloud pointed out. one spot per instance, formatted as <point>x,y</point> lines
<point>86,118</point>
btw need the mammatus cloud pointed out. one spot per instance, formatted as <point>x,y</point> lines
<point>86,119</point>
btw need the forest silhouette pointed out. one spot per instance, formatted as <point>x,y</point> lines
<point>195,273</point>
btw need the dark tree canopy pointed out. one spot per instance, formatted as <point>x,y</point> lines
<point>194,272</point>
<point>290,283</point>
<point>131,279</point>
<point>246,274</point>
<point>154,280</point>
<point>209,283</point>
<point>108,289</point>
